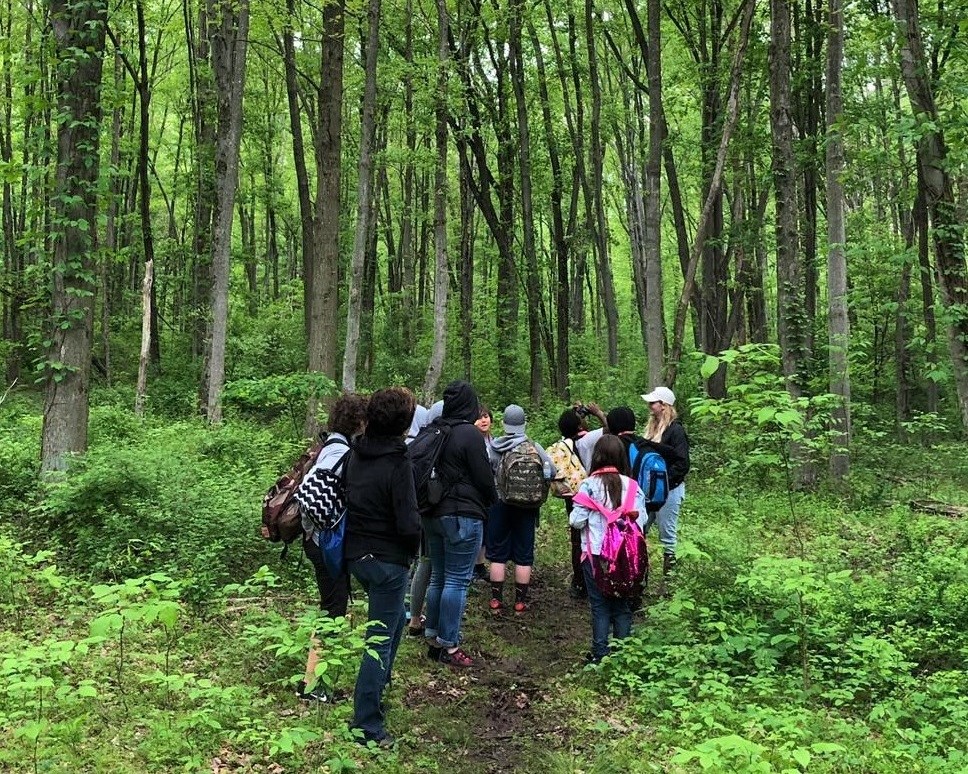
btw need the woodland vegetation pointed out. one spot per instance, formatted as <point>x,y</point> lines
<point>216,214</point>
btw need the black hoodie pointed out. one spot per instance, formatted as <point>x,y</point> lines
<point>381,502</point>
<point>463,464</point>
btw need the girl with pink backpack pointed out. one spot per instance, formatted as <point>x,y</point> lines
<point>610,511</point>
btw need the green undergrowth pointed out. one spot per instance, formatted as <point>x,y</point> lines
<point>148,628</point>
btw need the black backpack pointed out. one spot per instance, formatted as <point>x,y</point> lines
<point>424,453</point>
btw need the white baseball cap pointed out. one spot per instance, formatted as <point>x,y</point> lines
<point>660,395</point>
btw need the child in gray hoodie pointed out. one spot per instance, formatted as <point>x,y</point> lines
<point>510,529</point>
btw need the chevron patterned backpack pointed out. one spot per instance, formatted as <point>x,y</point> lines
<point>322,493</point>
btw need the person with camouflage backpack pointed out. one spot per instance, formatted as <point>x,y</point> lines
<point>523,472</point>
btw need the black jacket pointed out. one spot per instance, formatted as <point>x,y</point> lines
<point>674,448</point>
<point>381,502</point>
<point>463,465</point>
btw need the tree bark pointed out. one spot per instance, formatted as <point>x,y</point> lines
<point>142,388</point>
<point>839,323</point>
<point>79,33</point>
<point>729,124</point>
<point>441,278</point>
<point>229,41</point>
<point>935,179</point>
<point>364,201</point>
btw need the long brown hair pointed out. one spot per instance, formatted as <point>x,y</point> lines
<point>610,452</point>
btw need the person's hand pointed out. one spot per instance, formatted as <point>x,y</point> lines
<point>595,409</point>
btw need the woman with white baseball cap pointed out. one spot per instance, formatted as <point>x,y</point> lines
<point>665,433</point>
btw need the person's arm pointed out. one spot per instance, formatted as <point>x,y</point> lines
<point>595,410</point>
<point>404,499</point>
<point>479,468</point>
<point>578,518</point>
<point>585,445</point>
<point>675,438</point>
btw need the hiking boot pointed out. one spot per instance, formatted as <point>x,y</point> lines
<point>495,606</point>
<point>521,606</point>
<point>383,742</point>
<point>668,564</point>
<point>456,659</point>
<point>433,652</point>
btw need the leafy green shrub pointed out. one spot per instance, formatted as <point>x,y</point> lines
<point>181,498</point>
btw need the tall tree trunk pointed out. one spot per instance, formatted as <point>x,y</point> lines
<point>729,124</point>
<point>559,239</point>
<point>595,162</point>
<point>839,323</point>
<point>531,279</point>
<point>934,176</point>
<point>229,41</point>
<point>322,283</point>
<point>79,33</point>
<point>655,325</point>
<point>441,277</point>
<point>364,201</point>
<point>790,302</point>
<point>920,215</point>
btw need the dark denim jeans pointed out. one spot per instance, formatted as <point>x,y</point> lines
<point>454,542</point>
<point>385,584</point>
<point>608,615</point>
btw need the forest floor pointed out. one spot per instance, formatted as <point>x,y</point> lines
<point>504,713</point>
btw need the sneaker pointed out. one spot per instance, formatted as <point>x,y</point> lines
<point>495,605</point>
<point>318,694</point>
<point>456,659</point>
<point>521,606</point>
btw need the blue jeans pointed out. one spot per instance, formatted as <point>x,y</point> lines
<point>608,615</point>
<point>454,542</point>
<point>668,518</point>
<point>385,584</point>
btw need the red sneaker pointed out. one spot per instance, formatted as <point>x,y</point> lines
<point>456,659</point>
<point>496,605</point>
<point>521,607</point>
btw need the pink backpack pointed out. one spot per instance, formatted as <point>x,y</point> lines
<point>621,570</point>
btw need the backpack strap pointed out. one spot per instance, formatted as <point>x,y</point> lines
<point>629,502</point>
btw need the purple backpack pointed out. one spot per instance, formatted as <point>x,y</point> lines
<point>621,570</point>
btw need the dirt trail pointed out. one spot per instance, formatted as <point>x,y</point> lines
<point>504,701</point>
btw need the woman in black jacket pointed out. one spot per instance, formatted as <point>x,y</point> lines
<point>667,436</point>
<point>382,538</point>
<point>455,528</point>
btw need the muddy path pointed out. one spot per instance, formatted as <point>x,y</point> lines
<point>505,711</point>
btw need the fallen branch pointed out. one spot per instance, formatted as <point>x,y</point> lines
<point>938,507</point>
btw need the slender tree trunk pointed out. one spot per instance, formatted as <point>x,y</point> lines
<point>79,33</point>
<point>441,278</point>
<point>839,323</point>
<point>559,237</point>
<point>729,124</point>
<point>364,198</point>
<point>531,279</point>
<point>596,160</point>
<point>790,303</point>
<point>655,325</point>
<point>142,388</point>
<point>229,43</point>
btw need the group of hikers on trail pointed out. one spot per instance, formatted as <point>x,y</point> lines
<point>428,497</point>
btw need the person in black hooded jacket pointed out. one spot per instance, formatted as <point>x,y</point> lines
<point>455,527</point>
<point>382,538</point>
